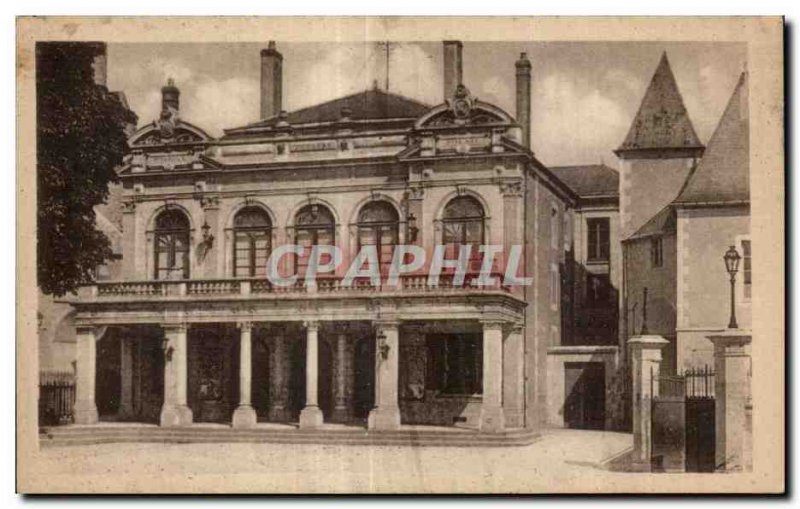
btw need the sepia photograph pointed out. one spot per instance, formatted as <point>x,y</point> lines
<point>340,255</point>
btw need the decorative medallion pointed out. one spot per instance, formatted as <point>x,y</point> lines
<point>462,103</point>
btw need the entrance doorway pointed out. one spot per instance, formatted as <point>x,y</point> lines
<point>213,373</point>
<point>364,378</point>
<point>585,395</point>
<point>107,375</point>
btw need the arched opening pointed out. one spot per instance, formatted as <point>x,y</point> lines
<point>171,245</point>
<point>314,226</point>
<point>378,225</point>
<point>252,242</point>
<point>463,223</point>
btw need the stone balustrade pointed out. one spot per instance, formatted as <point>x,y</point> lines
<point>233,287</point>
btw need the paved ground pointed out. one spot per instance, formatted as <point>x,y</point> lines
<point>560,459</point>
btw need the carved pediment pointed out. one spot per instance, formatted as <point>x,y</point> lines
<point>464,110</point>
<point>168,130</point>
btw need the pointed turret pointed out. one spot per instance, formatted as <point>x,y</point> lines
<point>723,174</point>
<point>658,153</point>
<point>662,121</point>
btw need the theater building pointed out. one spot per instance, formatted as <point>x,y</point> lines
<point>196,332</point>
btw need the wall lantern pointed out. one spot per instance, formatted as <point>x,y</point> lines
<point>412,228</point>
<point>208,237</point>
<point>383,347</point>
<point>167,349</point>
<point>732,266</point>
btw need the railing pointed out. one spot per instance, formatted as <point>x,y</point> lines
<point>693,383</point>
<point>323,285</point>
<point>213,287</point>
<point>56,397</point>
<point>144,288</point>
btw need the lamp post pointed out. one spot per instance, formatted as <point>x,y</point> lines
<point>732,266</point>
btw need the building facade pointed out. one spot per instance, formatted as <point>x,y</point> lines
<point>586,365</point>
<point>675,281</point>
<point>200,334</point>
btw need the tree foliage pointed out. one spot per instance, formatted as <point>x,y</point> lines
<point>81,140</point>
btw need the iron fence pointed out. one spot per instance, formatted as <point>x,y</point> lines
<point>56,397</point>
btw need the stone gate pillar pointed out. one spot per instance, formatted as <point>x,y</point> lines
<point>85,410</point>
<point>645,352</point>
<point>175,411</point>
<point>732,400</point>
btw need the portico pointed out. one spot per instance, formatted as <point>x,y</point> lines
<point>388,362</point>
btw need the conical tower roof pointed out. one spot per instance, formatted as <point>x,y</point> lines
<point>662,121</point>
<point>723,174</point>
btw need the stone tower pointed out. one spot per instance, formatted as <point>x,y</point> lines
<point>658,153</point>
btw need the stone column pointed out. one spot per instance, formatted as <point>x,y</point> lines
<point>278,378</point>
<point>492,418</point>
<point>311,415</point>
<point>386,414</point>
<point>645,366</point>
<point>126,345</point>
<point>175,411</point>
<point>732,390</point>
<point>513,378</point>
<point>85,410</point>
<point>245,415</point>
<point>341,411</point>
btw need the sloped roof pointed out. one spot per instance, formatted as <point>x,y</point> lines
<point>589,180</point>
<point>663,222</point>
<point>723,174</point>
<point>371,104</point>
<point>662,120</point>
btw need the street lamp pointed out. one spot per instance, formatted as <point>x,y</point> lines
<point>732,266</point>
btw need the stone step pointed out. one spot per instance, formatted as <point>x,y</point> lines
<point>97,435</point>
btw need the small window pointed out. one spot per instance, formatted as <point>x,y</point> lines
<point>554,236</point>
<point>747,276</point>
<point>656,252</point>
<point>598,239</point>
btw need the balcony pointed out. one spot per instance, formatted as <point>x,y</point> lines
<point>201,288</point>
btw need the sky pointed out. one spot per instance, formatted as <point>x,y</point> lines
<point>584,94</point>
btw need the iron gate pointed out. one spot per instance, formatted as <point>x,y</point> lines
<point>683,422</point>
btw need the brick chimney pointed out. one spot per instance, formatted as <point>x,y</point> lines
<point>524,97</point>
<point>271,81</point>
<point>170,96</point>
<point>453,67</point>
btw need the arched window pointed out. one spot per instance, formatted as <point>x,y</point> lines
<point>314,226</point>
<point>462,224</point>
<point>252,236</point>
<point>172,245</point>
<point>378,225</point>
